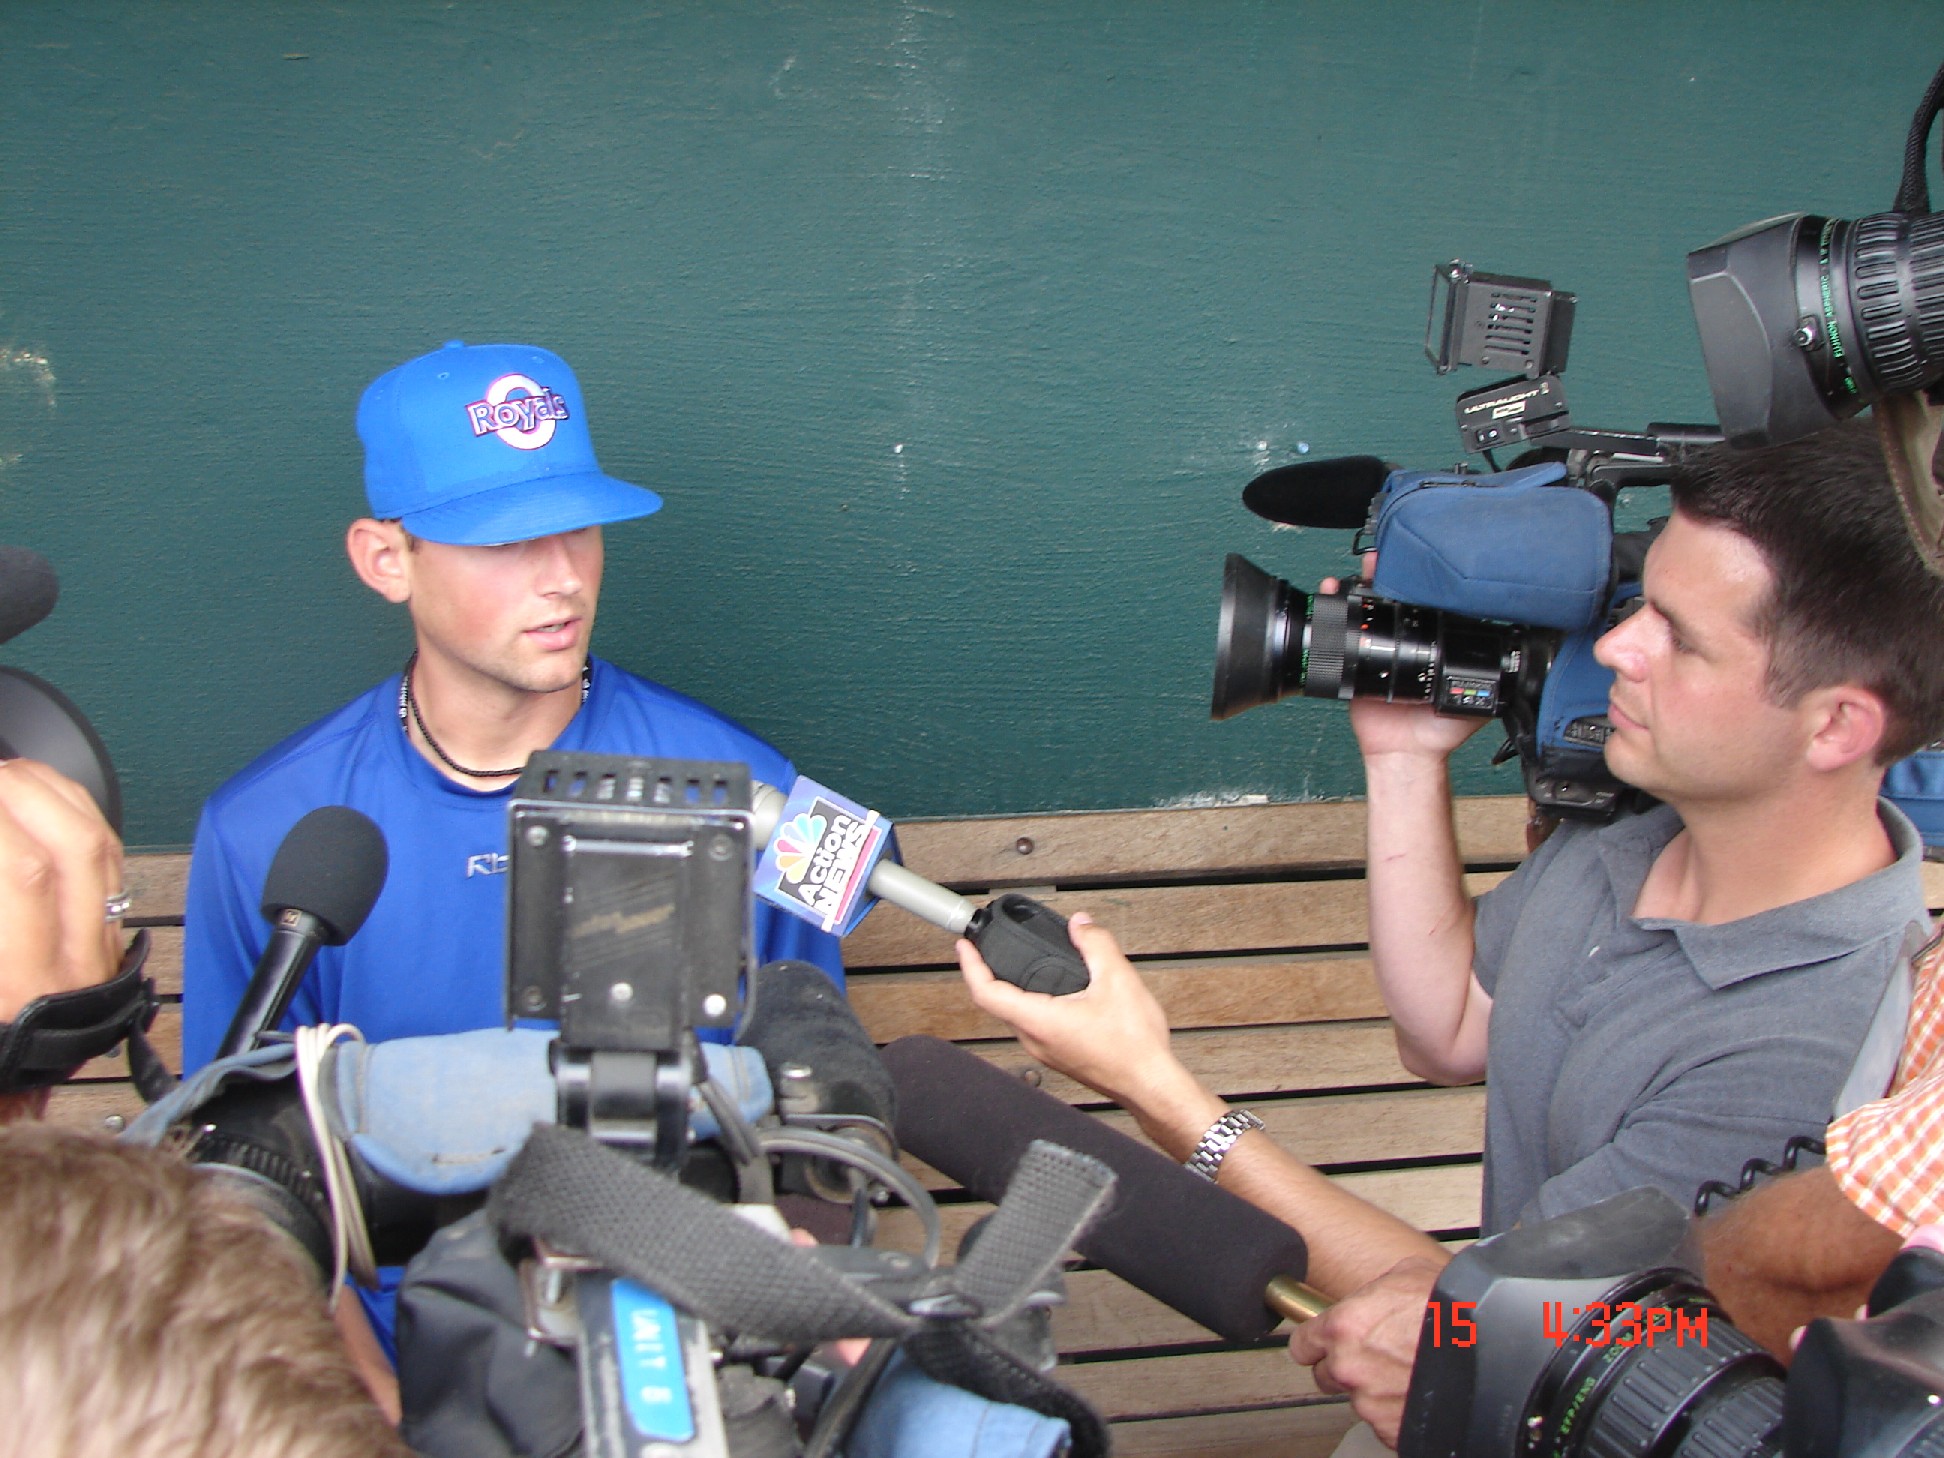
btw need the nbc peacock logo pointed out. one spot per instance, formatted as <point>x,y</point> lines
<point>796,841</point>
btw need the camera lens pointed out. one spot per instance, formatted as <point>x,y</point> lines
<point>1274,640</point>
<point>1654,1372</point>
<point>1806,320</point>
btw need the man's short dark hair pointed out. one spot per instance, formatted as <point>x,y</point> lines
<point>1853,601</point>
<point>145,1310</point>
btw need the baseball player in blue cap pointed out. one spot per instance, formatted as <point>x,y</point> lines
<point>487,507</point>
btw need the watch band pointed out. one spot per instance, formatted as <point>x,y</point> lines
<point>1214,1146</point>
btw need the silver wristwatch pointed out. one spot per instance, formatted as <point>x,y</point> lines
<point>1206,1161</point>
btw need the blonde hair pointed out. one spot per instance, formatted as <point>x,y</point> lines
<point>145,1312</point>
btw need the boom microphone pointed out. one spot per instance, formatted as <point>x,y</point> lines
<point>1207,1253</point>
<point>27,590</point>
<point>321,886</point>
<point>1335,493</point>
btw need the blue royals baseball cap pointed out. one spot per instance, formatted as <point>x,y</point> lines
<point>477,444</point>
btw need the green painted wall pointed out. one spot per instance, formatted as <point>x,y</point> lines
<point>950,332</point>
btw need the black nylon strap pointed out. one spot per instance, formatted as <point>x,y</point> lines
<point>567,1189</point>
<point>570,1191</point>
<point>56,1034</point>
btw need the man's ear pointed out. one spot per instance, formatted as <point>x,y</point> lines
<point>380,557</point>
<point>1848,723</point>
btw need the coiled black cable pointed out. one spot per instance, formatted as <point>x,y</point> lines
<point>1758,1169</point>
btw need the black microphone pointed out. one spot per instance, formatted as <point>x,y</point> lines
<point>28,590</point>
<point>1335,493</point>
<point>321,886</point>
<point>821,1063</point>
<point>1207,1253</point>
<point>798,1020</point>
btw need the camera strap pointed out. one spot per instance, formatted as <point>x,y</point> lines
<point>56,1034</point>
<point>578,1195</point>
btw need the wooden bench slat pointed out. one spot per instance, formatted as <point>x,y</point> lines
<point>1164,920</point>
<point>165,959</point>
<point>157,882</point>
<point>1227,840</point>
<point>1190,1382</point>
<point>1205,992</point>
<point>1310,1431</point>
<point>1247,1061</point>
<point>91,1105</point>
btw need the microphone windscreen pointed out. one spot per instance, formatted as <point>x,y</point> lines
<point>1335,493</point>
<point>1181,1239</point>
<point>331,864</point>
<point>28,589</point>
<point>797,1015</point>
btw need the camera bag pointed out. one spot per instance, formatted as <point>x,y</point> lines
<point>1515,546</point>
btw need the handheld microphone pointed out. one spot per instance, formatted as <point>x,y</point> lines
<point>322,883</point>
<point>1335,493</point>
<point>1189,1244</point>
<point>28,589</point>
<point>824,860</point>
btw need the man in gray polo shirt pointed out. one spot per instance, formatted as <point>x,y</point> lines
<point>1658,1000</point>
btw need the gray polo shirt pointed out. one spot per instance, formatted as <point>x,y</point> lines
<point>1650,1051</point>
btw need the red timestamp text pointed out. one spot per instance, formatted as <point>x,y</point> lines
<point>1456,1329</point>
<point>1627,1324</point>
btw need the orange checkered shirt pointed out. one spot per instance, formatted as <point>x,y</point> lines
<point>1888,1156</point>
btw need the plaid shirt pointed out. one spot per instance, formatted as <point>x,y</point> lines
<point>1888,1156</point>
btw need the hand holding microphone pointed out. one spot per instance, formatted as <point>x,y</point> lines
<point>1114,1038</point>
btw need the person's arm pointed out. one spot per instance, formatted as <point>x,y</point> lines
<point>1790,1251</point>
<point>1113,1037</point>
<point>1421,918</point>
<point>59,864</point>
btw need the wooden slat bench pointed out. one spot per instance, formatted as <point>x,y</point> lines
<point>1249,923</point>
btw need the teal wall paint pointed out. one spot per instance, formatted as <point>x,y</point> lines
<point>950,333</point>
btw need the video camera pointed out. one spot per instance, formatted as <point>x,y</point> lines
<point>1591,1333</point>
<point>1490,588</point>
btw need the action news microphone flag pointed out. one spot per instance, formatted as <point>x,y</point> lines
<point>1197,1248</point>
<point>818,863</point>
<point>827,860</point>
<point>321,886</point>
<point>1335,494</point>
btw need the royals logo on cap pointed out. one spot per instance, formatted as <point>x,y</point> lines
<point>524,421</point>
<point>436,432</point>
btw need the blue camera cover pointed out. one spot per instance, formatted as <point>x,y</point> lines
<point>1515,546</point>
<point>1916,786</point>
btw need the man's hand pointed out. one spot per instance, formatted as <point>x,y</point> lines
<point>59,864</point>
<point>1366,1343</point>
<point>1112,1035</point>
<point>1411,729</point>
